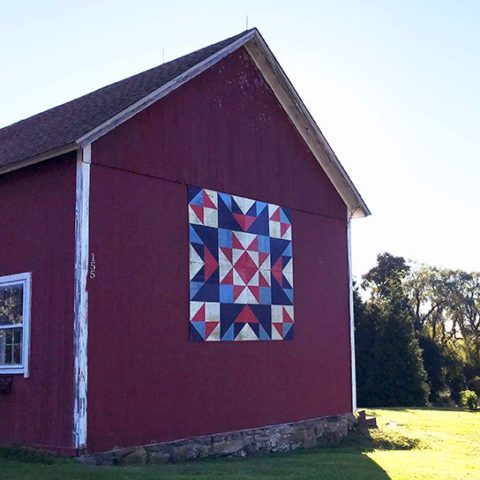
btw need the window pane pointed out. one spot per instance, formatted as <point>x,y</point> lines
<point>11,346</point>
<point>11,305</point>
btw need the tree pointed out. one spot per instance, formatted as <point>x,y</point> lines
<point>365,336</point>
<point>395,374</point>
<point>465,314</point>
<point>446,307</point>
<point>429,291</point>
<point>474,384</point>
<point>435,364</point>
<point>386,277</point>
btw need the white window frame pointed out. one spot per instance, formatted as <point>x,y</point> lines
<point>25,279</point>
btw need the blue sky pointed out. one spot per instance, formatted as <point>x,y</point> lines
<point>394,86</point>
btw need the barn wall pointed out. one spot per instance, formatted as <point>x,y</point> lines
<point>147,383</point>
<point>37,234</point>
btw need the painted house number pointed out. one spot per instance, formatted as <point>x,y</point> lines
<point>92,266</point>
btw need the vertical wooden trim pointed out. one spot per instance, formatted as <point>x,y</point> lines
<point>80,323</point>
<point>27,311</point>
<point>352,322</point>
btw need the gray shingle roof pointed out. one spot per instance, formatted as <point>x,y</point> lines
<point>60,126</point>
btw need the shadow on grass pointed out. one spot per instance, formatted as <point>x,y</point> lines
<point>333,463</point>
<point>347,461</point>
<point>24,455</point>
<point>379,439</point>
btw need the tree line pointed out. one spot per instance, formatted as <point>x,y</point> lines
<point>417,334</point>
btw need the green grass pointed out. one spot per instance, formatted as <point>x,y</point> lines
<point>449,445</point>
<point>410,444</point>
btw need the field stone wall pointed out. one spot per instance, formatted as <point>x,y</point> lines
<point>258,441</point>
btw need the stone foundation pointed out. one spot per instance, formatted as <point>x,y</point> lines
<point>257,441</point>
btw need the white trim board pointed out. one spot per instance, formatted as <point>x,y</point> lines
<point>80,322</point>
<point>351,315</point>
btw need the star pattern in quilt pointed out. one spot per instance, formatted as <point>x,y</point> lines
<point>241,268</point>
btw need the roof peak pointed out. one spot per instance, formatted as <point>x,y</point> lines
<point>79,122</point>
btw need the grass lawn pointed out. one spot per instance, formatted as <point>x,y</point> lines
<point>449,444</point>
<point>410,444</point>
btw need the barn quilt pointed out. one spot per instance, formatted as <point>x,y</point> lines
<point>241,268</point>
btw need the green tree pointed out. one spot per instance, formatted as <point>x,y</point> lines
<point>395,374</point>
<point>365,336</point>
<point>474,384</point>
<point>435,364</point>
<point>446,306</point>
<point>429,291</point>
<point>465,314</point>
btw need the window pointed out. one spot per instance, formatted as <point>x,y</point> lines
<point>15,323</point>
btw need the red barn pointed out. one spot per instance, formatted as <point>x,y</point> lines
<point>175,267</point>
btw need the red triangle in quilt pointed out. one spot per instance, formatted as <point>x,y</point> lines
<point>263,282</point>
<point>198,212</point>
<point>286,316</point>
<point>200,315</point>
<point>255,291</point>
<point>253,247</point>
<point>211,263</point>
<point>228,278</point>
<point>276,215</point>
<point>237,291</point>
<point>207,201</point>
<point>246,316</point>
<point>279,327</point>
<point>283,228</point>
<point>210,327</point>
<point>245,221</point>
<point>236,242</point>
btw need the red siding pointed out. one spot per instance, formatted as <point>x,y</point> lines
<point>37,234</point>
<point>226,131</point>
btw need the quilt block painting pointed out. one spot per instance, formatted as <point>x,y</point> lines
<point>241,268</point>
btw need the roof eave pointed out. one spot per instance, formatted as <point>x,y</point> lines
<point>71,147</point>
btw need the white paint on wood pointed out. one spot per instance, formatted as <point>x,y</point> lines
<point>27,309</point>
<point>352,318</point>
<point>81,298</point>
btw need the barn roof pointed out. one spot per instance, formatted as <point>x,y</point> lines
<point>77,123</point>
